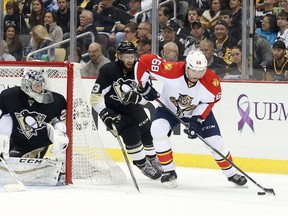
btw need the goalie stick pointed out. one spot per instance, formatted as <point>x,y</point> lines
<point>266,190</point>
<point>12,187</point>
<point>115,133</point>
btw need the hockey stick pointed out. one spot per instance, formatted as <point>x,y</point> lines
<point>268,190</point>
<point>115,133</point>
<point>12,187</point>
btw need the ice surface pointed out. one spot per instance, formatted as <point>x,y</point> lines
<point>200,192</point>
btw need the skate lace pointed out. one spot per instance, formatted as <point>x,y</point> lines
<point>236,177</point>
<point>149,169</point>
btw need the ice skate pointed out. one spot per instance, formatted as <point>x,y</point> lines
<point>148,170</point>
<point>155,163</point>
<point>169,179</point>
<point>238,179</point>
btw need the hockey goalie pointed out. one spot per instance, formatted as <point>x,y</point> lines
<point>32,117</point>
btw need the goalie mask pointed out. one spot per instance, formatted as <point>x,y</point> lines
<point>196,64</point>
<point>34,84</point>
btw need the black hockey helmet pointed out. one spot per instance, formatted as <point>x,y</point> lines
<point>126,47</point>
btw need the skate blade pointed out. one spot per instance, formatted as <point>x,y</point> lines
<point>171,184</point>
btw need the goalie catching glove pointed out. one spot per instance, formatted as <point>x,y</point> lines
<point>148,92</point>
<point>59,139</point>
<point>194,126</point>
<point>109,117</point>
<point>4,146</point>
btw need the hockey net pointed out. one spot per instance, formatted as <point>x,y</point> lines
<point>86,160</point>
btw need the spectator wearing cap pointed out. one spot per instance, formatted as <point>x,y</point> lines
<point>269,28</point>
<point>170,51</point>
<point>143,46</point>
<point>277,69</point>
<point>223,42</point>
<point>197,35</point>
<point>216,64</point>
<point>168,34</point>
<point>282,22</point>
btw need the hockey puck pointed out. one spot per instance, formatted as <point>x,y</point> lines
<point>261,193</point>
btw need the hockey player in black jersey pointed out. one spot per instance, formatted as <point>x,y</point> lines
<point>27,115</point>
<point>114,99</point>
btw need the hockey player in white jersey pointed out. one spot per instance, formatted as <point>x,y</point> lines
<point>190,90</point>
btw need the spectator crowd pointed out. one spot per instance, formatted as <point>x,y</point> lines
<point>212,26</point>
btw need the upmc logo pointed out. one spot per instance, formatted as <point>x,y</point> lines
<point>262,111</point>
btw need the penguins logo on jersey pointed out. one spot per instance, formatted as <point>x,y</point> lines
<point>121,87</point>
<point>183,103</point>
<point>30,122</point>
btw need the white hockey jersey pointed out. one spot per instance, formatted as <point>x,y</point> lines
<point>179,94</point>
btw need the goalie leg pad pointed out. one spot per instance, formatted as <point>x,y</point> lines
<point>33,171</point>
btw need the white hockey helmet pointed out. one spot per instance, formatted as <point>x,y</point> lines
<point>196,64</point>
<point>34,84</point>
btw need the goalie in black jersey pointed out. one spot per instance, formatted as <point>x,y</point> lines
<point>31,118</point>
<point>115,100</point>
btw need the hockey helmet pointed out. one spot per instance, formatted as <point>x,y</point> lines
<point>196,64</point>
<point>126,47</point>
<point>34,84</point>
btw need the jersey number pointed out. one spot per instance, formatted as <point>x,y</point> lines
<point>155,65</point>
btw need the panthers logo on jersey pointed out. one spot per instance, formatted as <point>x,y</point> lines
<point>30,122</point>
<point>183,103</point>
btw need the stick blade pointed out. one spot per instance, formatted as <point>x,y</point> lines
<point>269,190</point>
<point>14,187</point>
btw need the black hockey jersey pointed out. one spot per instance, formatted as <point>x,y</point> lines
<point>29,130</point>
<point>111,79</point>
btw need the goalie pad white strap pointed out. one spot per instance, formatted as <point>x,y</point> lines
<point>33,171</point>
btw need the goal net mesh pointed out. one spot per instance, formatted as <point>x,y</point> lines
<point>87,159</point>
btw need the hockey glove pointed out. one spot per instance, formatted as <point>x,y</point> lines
<point>109,117</point>
<point>132,97</point>
<point>4,146</point>
<point>193,127</point>
<point>148,92</point>
<point>60,141</point>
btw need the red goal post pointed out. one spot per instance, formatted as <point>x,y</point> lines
<point>86,158</point>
